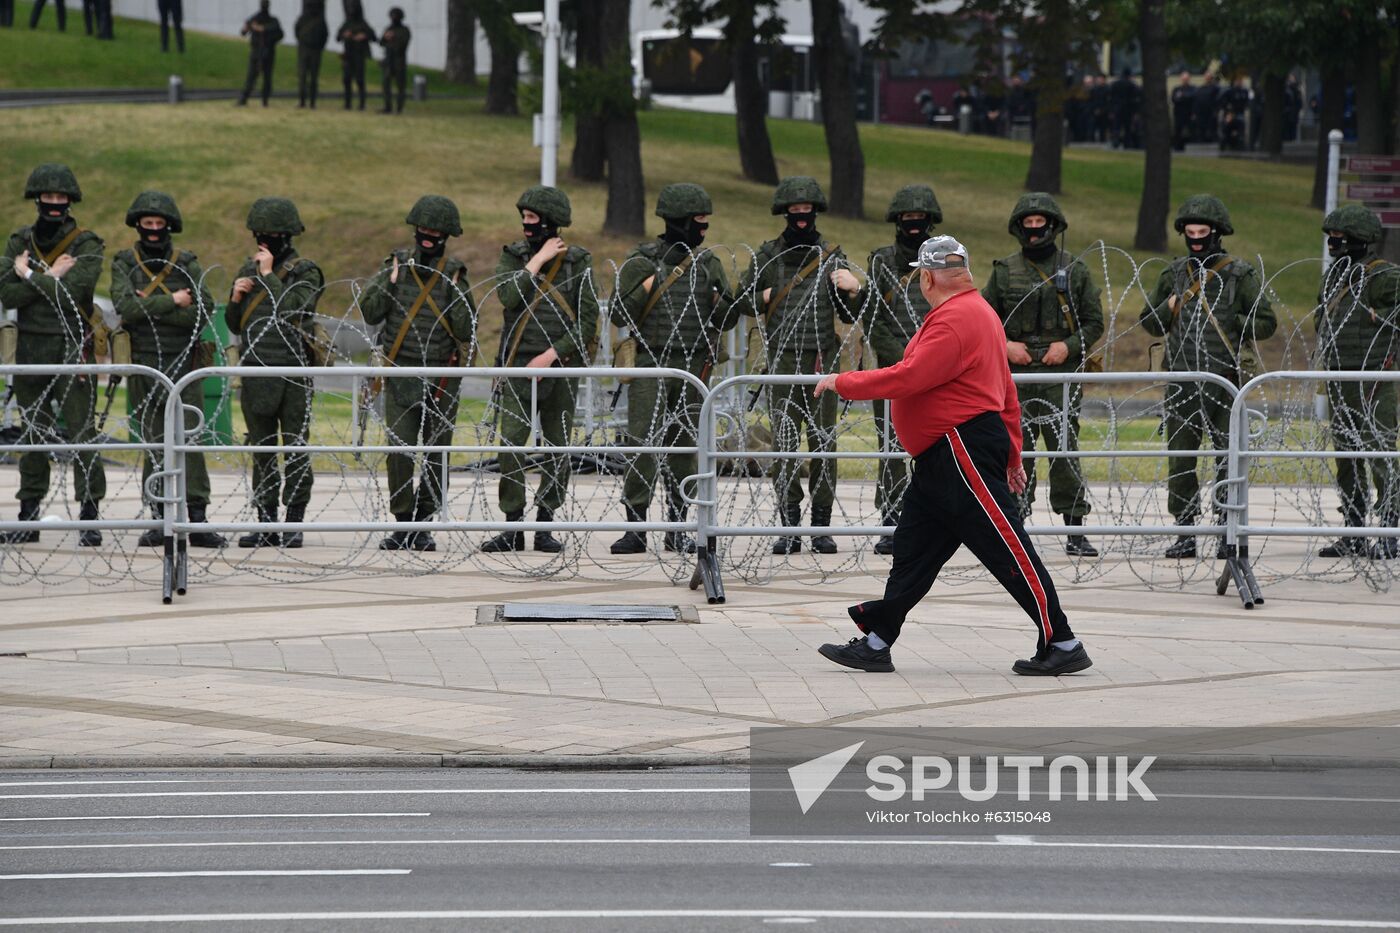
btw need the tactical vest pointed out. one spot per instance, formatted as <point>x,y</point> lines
<point>275,333</point>
<point>1194,341</point>
<point>431,338</point>
<point>681,319</point>
<point>1354,328</point>
<point>531,332</point>
<point>160,341</point>
<point>1031,310</point>
<point>805,320</point>
<point>895,321</point>
<point>38,314</point>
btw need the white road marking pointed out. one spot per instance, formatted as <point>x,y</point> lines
<point>933,843</point>
<point>200,816</point>
<point>251,873</point>
<point>1017,840</point>
<point>396,791</point>
<point>74,783</point>
<point>789,864</point>
<point>786,915</point>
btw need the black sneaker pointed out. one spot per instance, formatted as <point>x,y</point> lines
<point>1052,662</point>
<point>858,654</point>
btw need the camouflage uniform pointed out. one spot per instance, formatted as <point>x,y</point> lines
<point>165,337</point>
<point>1358,328</point>
<point>677,322</point>
<point>1230,300</point>
<point>54,328</point>
<point>421,410</point>
<point>536,318</point>
<point>1044,296</point>
<point>800,337</point>
<point>895,308</point>
<point>274,322</point>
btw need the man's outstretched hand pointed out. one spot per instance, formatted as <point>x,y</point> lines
<point>828,382</point>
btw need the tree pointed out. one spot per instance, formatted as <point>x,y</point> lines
<point>589,159</point>
<point>836,80</point>
<point>461,42</point>
<point>605,122</point>
<point>1157,144</point>
<point>506,42</point>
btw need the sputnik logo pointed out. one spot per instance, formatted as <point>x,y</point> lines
<point>811,778</point>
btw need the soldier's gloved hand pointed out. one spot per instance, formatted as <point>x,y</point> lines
<point>264,260</point>
<point>1055,354</point>
<point>545,360</point>
<point>1016,478</point>
<point>182,298</point>
<point>1018,353</point>
<point>62,265</point>
<point>22,265</point>
<point>241,287</point>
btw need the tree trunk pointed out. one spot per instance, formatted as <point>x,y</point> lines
<point>1049,56</point>
<point>1331,111</point>
<point>836,79</point>
<point>504,40</point>
<point>626,210</point>
<point>1271,124</point>
<point>1157,141</point>
<point>590,156</point>
<point>461,42</point>
<point>750,98</point>
<point>1372,121</point>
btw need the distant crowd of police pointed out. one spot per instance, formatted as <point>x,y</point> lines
<point>674,301</point>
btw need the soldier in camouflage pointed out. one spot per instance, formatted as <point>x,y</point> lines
<point>1212,310</point>
<point>422,298</point>
<point>48,274</point>
<point>797,287</point>
<point>895,309</point>
<point>1050,308</point>
<point>675,301</point>
<point>1358,328</point>
<point>272,310</point>
<point>161,298</point>
<point>550,318</point>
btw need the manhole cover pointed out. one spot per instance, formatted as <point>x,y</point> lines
<point>582,613</point>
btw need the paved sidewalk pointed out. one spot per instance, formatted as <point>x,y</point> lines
<point>396,669</point>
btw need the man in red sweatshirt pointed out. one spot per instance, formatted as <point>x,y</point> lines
<point>955,410</point>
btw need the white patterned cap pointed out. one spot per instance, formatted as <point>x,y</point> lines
<point>941,252</point>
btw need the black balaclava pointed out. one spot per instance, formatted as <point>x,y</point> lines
<point>1210,245</point>
<point>911,234</point>
<point>805,236</point>
<point>278,244</point>
<point>1037,243</point>
<point>1339,246</point>
<point>685,230</point>
<point>434,244</point>
<point>154,242</point>
<point>537,233</point>
<point>395,15</point>
<point>51,217</point>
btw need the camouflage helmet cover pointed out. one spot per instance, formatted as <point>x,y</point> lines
<point>683,200</point>
<point>435,212</point>
<point>798,189</point>
<point>1204,209</point>
<point>550,203</point>
<point>155,204</point>
<point>275,215</point>
<point>1037,202</point>
<point>1357,222</point>
<point>53,177</point>
<point>913,198</point>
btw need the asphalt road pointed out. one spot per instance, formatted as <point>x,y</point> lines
<point>666,850</point>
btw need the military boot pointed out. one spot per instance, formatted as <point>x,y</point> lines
<point>631,542</point>
<point>204,538</point>
<point>28,512</point>
<point>822,544</point>
<point>789,544</point>
<point>261,538</point>
<point>678,542</point>
<point>397,540</point>
<point>89,537</point>
<point>1183,549</point>
<point>1346,547</point>
<point>545,540</point>
<point>1078,545</point>
<point>153,537</point>
<point>886,543</point>
<point>294,539</point>
<point>1385,549</point>
<point>422,540</point>
<point>507,540</point>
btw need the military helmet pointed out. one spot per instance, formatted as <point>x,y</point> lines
<point>1357,222</point>
<point>1204,209</point>
<point>155,204</point>
<point>53,177</point>
<point>798,189</point>
<point>436,212</point>
<point>912,198</point>
<point>1037,202</point>
<point>551,204</point>
<point>683,200</point>
<point>275,215</point>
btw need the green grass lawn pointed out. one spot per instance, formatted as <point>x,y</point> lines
<point>47,58</point>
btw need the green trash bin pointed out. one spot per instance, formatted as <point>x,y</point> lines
<point>218,401</point>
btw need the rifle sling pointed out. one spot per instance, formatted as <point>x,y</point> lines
<point>546,288</point>
<point>413,309</point>
<point>258,298</point>
<point>795,281</point>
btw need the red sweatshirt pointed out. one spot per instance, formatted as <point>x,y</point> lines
<point>953,370</point>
